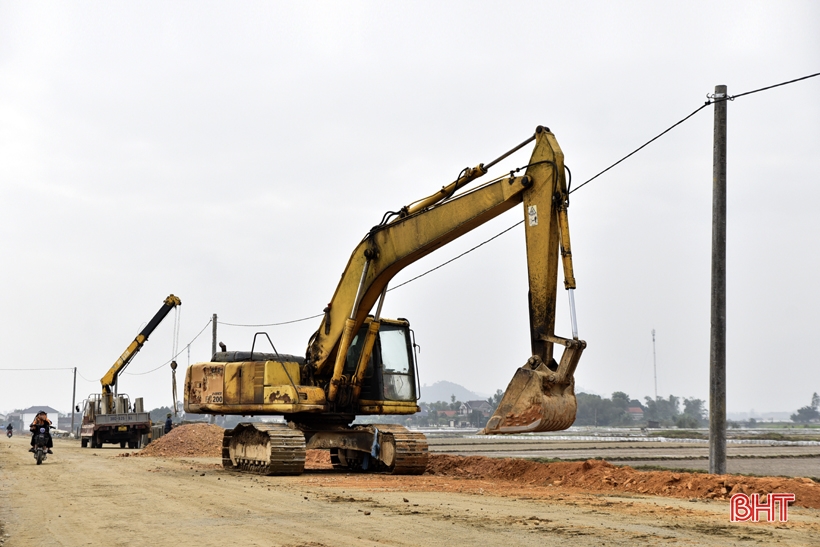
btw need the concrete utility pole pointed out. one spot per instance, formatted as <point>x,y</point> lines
<point>73,397</point>
<point>717,346</point>
<point>655,364</point>
<point>213,333</point>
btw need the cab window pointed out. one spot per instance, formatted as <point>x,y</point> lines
<point>398,379</point>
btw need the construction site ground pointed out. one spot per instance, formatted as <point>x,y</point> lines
<point>165,496</point>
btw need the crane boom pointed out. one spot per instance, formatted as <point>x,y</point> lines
<point>110,379</point>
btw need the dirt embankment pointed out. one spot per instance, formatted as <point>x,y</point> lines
<point>601,476</point>
<point>594,476</point>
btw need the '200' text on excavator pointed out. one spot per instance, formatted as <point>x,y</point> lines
<point>362,364</point>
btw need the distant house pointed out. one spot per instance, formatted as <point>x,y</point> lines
<point>481,406</point>
<point>29,414</point>
<point>636,413</point>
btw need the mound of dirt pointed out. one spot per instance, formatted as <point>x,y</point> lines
<point>601,476</point>
<point>189,440</point>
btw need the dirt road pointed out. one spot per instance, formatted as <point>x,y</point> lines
<point>90,497</point>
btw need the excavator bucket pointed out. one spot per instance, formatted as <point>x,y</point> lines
<point>539,398</point>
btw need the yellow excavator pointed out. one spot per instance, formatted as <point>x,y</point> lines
<point>362,364</point>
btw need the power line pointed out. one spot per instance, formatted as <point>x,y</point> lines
<point>704,105</point>
<point>711,100</point>
<point>391,288</point>
<point>270,324</point>
<point>188,345</point>
<point>457,257</point>
<point>733,97</point>
<point>644,145</point>
<point>86,379</point>
<point>59,368</point>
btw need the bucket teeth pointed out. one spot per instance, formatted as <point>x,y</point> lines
<point>538,398</point>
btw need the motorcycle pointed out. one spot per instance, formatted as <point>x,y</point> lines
<point>9,433</point>
<point>41,445</point>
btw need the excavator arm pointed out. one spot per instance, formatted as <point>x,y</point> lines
<point>541,395</point>
<point>109,381</point>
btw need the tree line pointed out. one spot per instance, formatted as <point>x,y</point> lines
<point>593,410</point>
<point>809,413</point>
<point>614,411</point>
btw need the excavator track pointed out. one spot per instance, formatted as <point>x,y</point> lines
<point>264,449</point>
<point>226,449</point>
<point>276,449</point>
<point>410,450</point>
<point>399,451</point>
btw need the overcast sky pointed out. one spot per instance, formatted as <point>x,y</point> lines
<point>235,153</point>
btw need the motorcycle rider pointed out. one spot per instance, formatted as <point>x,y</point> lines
<point>9,429</point>
<point>41,420</point>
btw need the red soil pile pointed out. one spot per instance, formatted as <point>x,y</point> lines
<point>601,476</point>
<point>189,440</point>
<point>594,476</point>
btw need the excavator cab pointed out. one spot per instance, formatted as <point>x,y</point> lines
<point>391,373</point>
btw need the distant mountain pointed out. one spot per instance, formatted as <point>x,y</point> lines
<point>441,391</point>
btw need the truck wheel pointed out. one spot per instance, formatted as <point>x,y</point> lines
<point>84,442</point>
